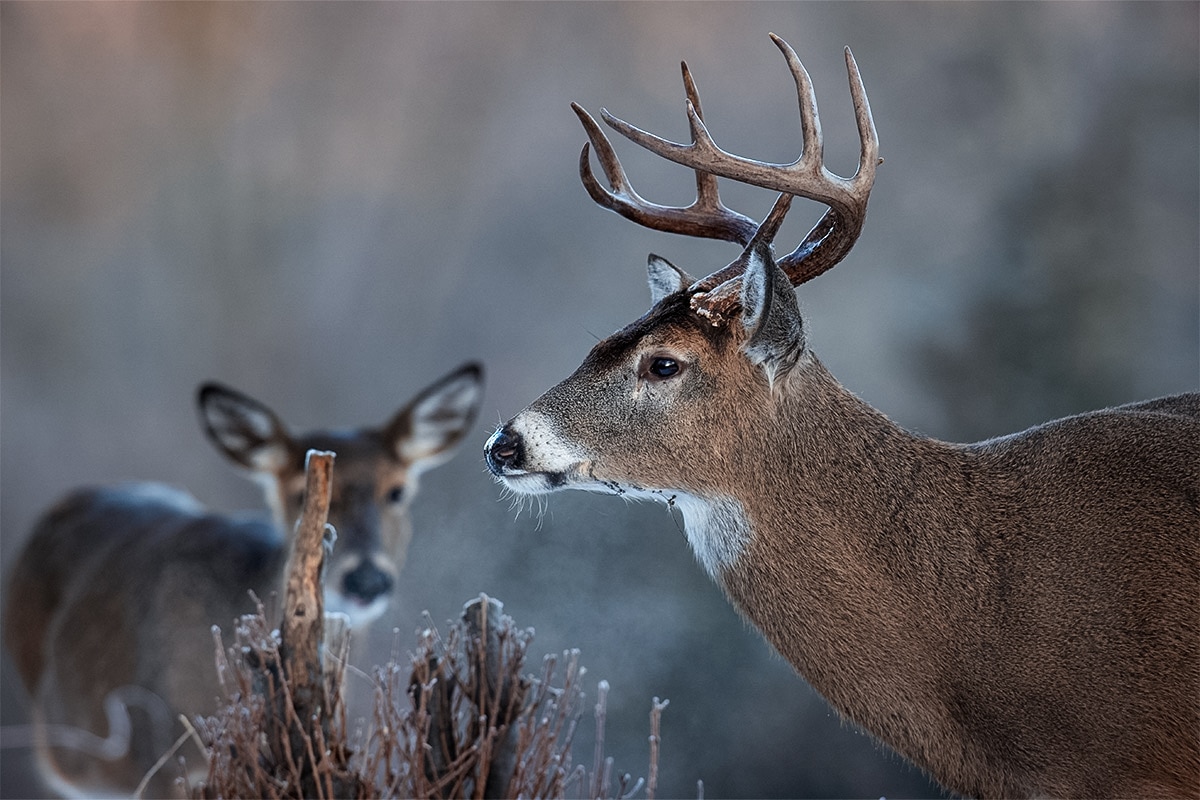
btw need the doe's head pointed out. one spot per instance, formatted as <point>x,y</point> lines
<point>374,478</point>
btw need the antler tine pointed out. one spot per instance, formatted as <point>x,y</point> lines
<point>836,232</point>
<point>813,152</point>
<point>706,217</point>
<point>706,183</point>
<point>621,198</point>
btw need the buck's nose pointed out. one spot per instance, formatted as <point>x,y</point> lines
<point>366,582</point>
<point>504,451</point>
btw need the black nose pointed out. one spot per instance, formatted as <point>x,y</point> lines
<point>504,451</point>
<point>366,582</point>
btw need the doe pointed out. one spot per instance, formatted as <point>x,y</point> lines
<point>111,602</point>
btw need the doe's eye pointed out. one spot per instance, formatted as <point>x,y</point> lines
<point>395,494</point>
<point>661,367</point>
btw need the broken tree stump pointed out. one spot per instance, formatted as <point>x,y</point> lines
<point>304,712</point>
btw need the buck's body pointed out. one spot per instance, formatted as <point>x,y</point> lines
<point>1020,617</point>
<point>112,598</point>
<point>917,618</point>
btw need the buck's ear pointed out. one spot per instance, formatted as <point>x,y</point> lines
<point>425,432</point>
<point>665,278</point>
<point>770,314</point>
<point>243,429</point>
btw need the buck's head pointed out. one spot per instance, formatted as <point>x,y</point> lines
<point>678,404</point>
<point>374,477</point>
<point>649,409</point>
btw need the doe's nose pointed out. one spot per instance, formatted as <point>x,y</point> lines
<point>504,451</point>
<point>366,582</point>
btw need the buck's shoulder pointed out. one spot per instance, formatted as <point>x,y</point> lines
<point>1099,456</point>
<point>1123,425</point>
<point>1185,406</point>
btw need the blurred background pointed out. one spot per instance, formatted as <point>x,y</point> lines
<point>330,206</point>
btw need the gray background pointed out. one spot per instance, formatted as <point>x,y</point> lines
<point>329,206</point>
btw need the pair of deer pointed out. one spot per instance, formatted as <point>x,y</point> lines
<point>1019,617</point>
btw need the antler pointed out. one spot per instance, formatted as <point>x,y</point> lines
<point>825,245</point>
<point>706,217</point>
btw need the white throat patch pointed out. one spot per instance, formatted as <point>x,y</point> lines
<point>716,528</point>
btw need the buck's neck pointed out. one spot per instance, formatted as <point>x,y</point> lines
<point>851,565</point>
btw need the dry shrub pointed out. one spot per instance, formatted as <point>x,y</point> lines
<point>461,718</point>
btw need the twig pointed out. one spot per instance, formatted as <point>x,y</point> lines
<point>656,710</point>
<point>164,758</point>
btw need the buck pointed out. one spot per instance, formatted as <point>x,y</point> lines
<point>1019,617</point>
<point>110,605</point>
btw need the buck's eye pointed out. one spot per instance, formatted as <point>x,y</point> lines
<point>661,368</point>
<point>395,494</point>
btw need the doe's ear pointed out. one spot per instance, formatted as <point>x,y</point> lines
<point>243,429</point>
<point>425,432</point>
<point>665,278</point>
<point>770,314</point>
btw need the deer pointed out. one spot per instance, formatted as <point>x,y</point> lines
<point>111,604</point>
<point>1018,617</point>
